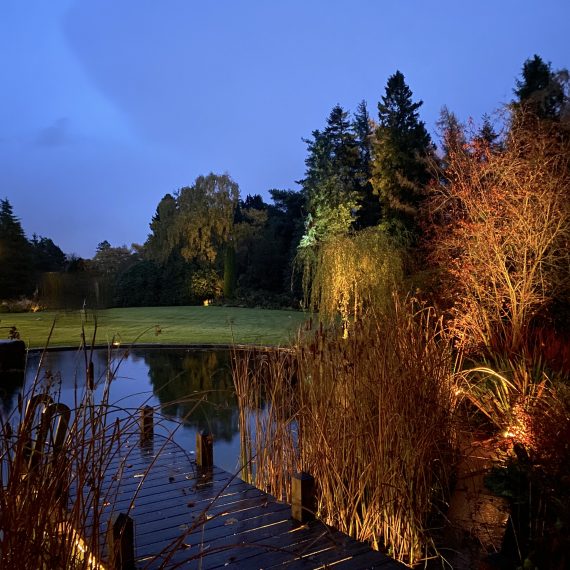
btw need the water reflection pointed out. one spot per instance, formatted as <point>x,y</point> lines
<point>197,387</point>
<point>191,386</point>
<point>11,383</point>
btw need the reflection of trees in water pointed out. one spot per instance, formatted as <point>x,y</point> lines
<point>10,383</point>
<point>181,378</point>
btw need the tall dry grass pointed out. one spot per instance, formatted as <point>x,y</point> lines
<point>61,470</point>
<point>371,417</point>
<point>265,391</point>
<point>55,476</point>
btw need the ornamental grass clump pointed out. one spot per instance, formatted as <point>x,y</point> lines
<point>53,490</point>
<point>522,403</point>
<point>371,417</point>
<point>265,383</point>
<point>531,413</point>
<point>61,471</point>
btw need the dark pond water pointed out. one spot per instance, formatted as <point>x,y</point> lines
<point>193,388</point>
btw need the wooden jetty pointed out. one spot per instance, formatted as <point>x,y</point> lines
<point>171,509</point>
<point>144,502</point>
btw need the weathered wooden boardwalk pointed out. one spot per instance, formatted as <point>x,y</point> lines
<point>185,517</point>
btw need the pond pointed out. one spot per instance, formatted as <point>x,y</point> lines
<point>193,388</point>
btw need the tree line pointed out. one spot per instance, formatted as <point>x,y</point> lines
<point>375,205</point>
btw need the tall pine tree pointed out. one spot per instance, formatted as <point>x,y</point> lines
<point>541,91</point>
<point>331,184</point>
<point>486,141</point>
<point>401,146</point>
<point>16,261</point>
<point>369,204</point>
<point>160,242</point>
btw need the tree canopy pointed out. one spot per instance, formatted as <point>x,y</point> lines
<point>401,147</point>
<point>16,259</point>
<point>332,186</point>
<point>205,216</point>
<point>540,90</point>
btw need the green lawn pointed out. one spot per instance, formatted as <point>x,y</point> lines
<point>174,325</point>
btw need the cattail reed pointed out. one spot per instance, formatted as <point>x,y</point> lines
<point>370,417</point>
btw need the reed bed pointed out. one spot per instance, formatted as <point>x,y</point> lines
<point>371,417</point>
<point>265,384</point>
<point>54,464</point>
<point>61,471</point>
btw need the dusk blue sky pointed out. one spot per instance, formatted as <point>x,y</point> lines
<point>107,105</point>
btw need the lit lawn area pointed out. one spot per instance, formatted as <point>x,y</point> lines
<point>158,325</point>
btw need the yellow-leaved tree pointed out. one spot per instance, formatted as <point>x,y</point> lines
<point>344,275</point>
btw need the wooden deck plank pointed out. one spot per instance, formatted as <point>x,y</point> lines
<point>160,481</point>
<point>172,496</point>
<point>284,542</point>
<point>284,549</point>
<point>227,538</point>
<point>184,518</point>
<point>370,561</point>
<point>191,503</point>
<point>211,509</point>
<point>217,525</point>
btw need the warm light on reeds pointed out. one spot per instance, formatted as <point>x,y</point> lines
<point>370,417</point>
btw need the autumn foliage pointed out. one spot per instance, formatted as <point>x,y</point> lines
<point>499,224</point>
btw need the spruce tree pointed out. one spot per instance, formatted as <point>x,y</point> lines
<point>486,140</point>
<point>47,257</point>
<point>331,184</point>
<point>401,146</point>
<point>369,204</point>
<point>16,261</point>
<point>159,243</point>
<point>541,91</point>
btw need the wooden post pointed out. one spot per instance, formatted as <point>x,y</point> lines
<point>121,543</point>
<point>303,503</point>
<point>147,425</point>
<point>32,448</point>
<point>64,415</point>
<point>205,450</point>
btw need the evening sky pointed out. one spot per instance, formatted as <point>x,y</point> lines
<point>107,105</point>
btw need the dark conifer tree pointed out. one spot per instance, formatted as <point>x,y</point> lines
<point>331,184</point>
<point>47,255</point>
<point>343,147</point>
<point>16,260</point>
<point>401,146</point>
<point>486,140</point>
<point>541,91</point>
<point>487,132</point>
<point>369,204</point>
<point>158,245</point>
<point>452,135</point>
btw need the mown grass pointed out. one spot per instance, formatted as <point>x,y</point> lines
<point>160,325</point>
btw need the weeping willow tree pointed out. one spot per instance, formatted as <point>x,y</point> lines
<point>345,275</point>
